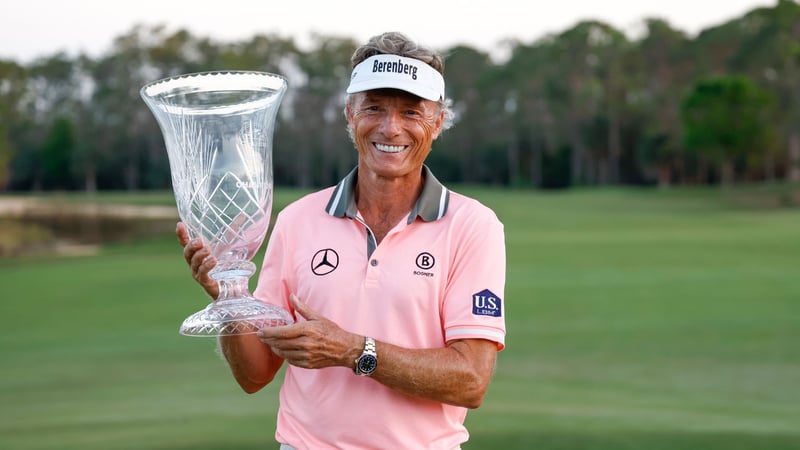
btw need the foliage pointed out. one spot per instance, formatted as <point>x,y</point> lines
<point>584,106</point>
<point>56,154</point>
<point>12,93</point>
<point>727,119</point>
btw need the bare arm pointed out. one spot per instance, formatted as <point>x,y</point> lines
<point>252,363</point>
<point>458,374</point>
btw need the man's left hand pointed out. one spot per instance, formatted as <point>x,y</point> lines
<point>313,343</point>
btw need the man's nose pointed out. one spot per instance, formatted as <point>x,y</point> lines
<point>391,125</point>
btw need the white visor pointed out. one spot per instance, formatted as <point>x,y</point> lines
<point>397,72</point>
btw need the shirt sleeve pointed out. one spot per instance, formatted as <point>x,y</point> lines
<point>473,306</point>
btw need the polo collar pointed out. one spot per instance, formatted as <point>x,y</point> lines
<point>431,204</point>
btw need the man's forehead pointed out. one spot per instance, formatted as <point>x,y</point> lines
<point>386,93</point>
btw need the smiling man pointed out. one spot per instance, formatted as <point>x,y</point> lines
<point>396,283</point>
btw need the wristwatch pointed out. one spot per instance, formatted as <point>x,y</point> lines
<point>368,361</point>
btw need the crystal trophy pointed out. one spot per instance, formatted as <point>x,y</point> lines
<point>218,127</point>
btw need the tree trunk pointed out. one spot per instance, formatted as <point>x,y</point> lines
<point>37,180</point>
<point>664,176</point>
<point>590,168</point>
<point>90,179</point>
<point>702,170</point>
<point>537,153</point>
<point>466,161</point>
<point>727,174</point>
<point>769,167</point>
<point>794,157</point>
<point>614,149</point>
<point>131,176</point>
<point>603,170</point>
<point>512,160</point>
<point>577,157</point>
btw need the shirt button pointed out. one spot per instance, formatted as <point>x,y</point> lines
<point>373,263</point>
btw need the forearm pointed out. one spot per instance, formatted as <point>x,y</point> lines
<point>252,363</point>
<point>458,374</point>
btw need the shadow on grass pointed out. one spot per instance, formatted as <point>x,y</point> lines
<point>633,440</point>
<point>544,440</point>
<point>226,445</point>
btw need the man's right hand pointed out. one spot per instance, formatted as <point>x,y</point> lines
<point>199,259</point>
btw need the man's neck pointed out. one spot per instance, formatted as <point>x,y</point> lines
<point>383,202</point>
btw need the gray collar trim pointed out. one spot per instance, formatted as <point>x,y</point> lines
<point>431,204</point>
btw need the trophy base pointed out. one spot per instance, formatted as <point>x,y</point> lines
<point>233,317</point>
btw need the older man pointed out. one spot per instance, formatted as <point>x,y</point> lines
<point>396,282</point>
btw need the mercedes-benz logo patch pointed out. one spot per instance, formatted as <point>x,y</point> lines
<point>324,261</point>
<point>425,261</point>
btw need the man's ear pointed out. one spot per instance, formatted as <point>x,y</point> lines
<point>348,112</point>
<point>438,126</point>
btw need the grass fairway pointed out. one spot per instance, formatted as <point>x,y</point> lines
<point>637,320</point>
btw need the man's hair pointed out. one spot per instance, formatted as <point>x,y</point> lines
<point>396,43</point>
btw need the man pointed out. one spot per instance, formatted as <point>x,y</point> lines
<point>396,283</point>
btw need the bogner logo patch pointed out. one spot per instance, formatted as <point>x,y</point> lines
<point>485,303</point>
<point>425,261</point>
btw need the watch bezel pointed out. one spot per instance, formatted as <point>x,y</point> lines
<point>366,364</point>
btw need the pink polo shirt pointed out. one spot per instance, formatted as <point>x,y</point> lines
<point>436,277</point>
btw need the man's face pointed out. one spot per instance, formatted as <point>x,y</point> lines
<point>393,130</point>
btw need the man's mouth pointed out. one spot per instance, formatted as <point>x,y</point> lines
<point>390,148</point>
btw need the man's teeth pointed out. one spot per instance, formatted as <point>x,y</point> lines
<point>390,148</point>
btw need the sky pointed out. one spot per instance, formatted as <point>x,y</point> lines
<point>31,29</point>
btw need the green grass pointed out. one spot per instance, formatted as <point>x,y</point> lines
<point>636,320</point>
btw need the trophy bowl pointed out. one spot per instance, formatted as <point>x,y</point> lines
<point>218,128</point>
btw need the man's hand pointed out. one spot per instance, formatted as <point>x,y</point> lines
<point>457,374</point>
<point>199,259</point>
<point>314,343</point>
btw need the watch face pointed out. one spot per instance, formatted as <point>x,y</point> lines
<point>367,364</point>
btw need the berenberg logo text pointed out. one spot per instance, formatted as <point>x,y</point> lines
<point>486,303</point>
<point>396,67</point>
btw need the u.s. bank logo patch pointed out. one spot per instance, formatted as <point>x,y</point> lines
<point>485,303</point>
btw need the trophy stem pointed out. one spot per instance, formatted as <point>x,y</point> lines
<point>234,288</point>
<point>235,311</point>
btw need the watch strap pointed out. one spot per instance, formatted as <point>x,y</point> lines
<point>366,363</point>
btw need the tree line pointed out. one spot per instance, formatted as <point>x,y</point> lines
<point>586,106</point>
